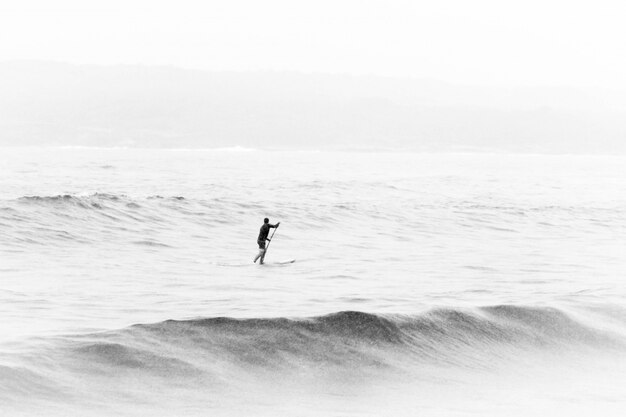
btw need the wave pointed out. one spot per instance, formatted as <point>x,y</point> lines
<point>79,199</point>
<point>99,217</point>
<point>438,331</point>
<point>100,199</point>
<point>158,222</point>
<point>101,203</point>
<point>94,201</point>
<point>151,243</point>
<point>214,356</point>
<point>471,337</point>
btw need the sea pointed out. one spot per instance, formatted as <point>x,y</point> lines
<point>424,284</point>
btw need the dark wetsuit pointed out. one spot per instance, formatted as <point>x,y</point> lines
<point>265,230</point>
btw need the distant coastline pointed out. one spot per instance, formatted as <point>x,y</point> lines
<point>47,103</point>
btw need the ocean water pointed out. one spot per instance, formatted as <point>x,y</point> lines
<point>424,284</point>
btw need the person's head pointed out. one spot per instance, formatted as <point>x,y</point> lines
<point>266,220</point>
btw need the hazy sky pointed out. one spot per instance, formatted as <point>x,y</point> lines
<point>574,43</point>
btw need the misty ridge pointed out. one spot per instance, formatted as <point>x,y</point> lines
<point>55,104</point>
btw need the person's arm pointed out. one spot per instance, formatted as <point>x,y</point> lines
<point>273,226</point>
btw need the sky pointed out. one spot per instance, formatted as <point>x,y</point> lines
<point>480,42</point>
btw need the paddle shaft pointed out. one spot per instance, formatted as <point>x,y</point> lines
<point>268,243</point>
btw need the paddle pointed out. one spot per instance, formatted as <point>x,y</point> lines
<point>268,243</point>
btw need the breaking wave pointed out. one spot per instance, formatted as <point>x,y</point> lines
<point>204,348</point>
<point>165,367</point>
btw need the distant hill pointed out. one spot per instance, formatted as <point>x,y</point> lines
<point>44,103</point>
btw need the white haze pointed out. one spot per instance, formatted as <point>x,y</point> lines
<point>50,104</point>
<point>536,42</point>
<point>539,76</point>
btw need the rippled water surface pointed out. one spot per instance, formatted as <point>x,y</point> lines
<point>416,275</point>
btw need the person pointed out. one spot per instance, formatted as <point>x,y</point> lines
<point>265,230</point>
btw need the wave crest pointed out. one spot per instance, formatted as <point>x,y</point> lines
<point>437,336</point>
<point>220,350</point>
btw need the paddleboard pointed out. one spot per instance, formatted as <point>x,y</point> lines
<point>290,261</point>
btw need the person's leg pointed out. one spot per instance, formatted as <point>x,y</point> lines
<point>261,251</point>
<point>263,257</point>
